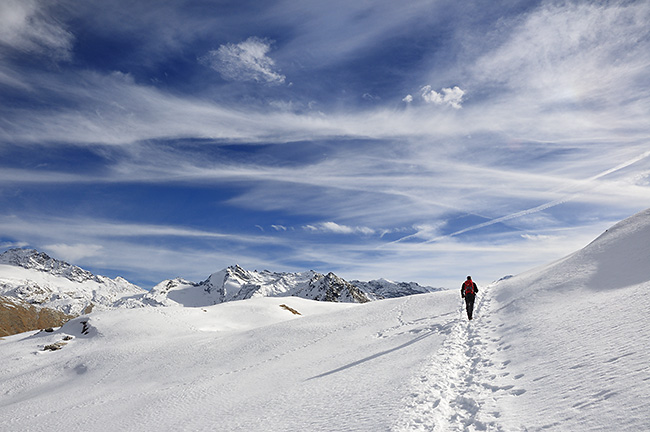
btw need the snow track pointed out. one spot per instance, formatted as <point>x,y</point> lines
<point>459,388</point>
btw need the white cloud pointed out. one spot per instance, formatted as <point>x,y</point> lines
<point>447,96</point>
<point>24,27</point>
<point>408,99</point>
<point>73,252</point>
<point>279,227</point>
<point>536,237</point>
<point>245,61</point>
<point>336,228</point>
<point>333,227</point>
<point>11,245</point>
<point>371,97</point>
<point>587,56</point>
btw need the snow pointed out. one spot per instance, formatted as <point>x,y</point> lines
<point>192,369</point>
<point>58,285</point>
<point>562,348</point>
<point>36,278</point>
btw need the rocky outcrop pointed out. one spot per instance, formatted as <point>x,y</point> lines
<point>17,316</point>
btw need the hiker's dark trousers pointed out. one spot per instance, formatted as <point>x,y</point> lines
<point>469,302</point>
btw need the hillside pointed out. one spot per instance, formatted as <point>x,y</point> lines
<point>558,348</point>
<point>17,316</point>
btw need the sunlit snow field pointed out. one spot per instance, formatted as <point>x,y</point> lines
<point>563,347</point>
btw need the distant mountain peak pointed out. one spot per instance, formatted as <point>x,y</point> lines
<point>236,283</point>
<point>27,275</point>
<point>36,260</point>
<point>39,279</point>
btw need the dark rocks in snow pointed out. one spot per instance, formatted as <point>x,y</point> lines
<point>85,327</point>
<point>332,288</point>
<point>55,346</point>
<point>290,309</point>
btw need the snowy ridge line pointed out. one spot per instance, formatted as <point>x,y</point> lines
<point>457,390</point>
<point>36,278</point>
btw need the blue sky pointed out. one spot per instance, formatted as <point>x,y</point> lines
<point>414,141</point>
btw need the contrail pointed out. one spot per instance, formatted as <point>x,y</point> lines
<point>541,207</point>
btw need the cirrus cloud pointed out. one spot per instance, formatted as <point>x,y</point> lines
<point>245,61</point>
<point>25,27</point>
<point>333,227</point>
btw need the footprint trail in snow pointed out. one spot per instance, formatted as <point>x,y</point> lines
<point>459,388</point>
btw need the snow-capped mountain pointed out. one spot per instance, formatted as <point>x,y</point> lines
<point>382,288</point>
<point>35,260</point>
<point>36,278</point>
<point>236,283</point>
<point>559,348</point>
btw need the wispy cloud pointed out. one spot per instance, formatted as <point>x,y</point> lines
<point>576,60</point>
<point>62,229</point>
<point>9,245</point>
<point>244,61</point>
<point>73,252</point>
<point>552,134</point>
<point>24,26</point>
<point>335,228</point>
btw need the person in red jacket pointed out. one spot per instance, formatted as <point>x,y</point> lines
<point>468,291</point>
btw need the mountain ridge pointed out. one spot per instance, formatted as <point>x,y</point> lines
<point>236,283</point>
<point>36,278</point>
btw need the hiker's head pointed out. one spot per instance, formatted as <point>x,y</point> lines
<point>469,278</point>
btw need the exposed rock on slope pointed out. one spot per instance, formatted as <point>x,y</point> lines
<point>17,316</point>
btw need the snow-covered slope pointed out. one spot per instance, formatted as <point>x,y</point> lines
<point>563,347</point>
<point>560,348</point>
<point>575,337</point>
<point>236,283</point>
<point>250,365</point>
<point>36,278</point>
